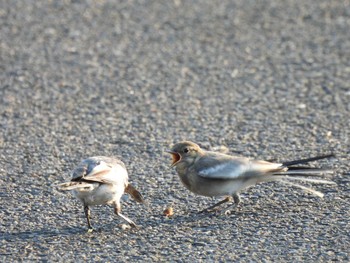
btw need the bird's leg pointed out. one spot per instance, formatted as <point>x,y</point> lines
<point>87,215</point>
<point>117,210</point>
<point>236,201</point>
<point>227,199</point>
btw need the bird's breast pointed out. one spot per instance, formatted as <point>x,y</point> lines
<point>185,176</point>
<point>103,194</point>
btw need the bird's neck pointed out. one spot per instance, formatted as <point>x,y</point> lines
<point>184,171</point>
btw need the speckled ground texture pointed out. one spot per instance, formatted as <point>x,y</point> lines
<point>266,79</point>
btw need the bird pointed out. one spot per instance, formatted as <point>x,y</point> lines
<point>215,174</point>
<point>101,180</point>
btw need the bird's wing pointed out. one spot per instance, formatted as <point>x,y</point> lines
<point>101,170</point>
<point>226,167</point>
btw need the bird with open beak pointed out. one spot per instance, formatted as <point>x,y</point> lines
<point>215,174</point>
<point>101,180</point>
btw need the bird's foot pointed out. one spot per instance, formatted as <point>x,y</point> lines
<point>209,210</point>
<point>133,225</point>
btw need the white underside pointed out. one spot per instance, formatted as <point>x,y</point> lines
<point>224,187</point>
<point>103,193</point>
<point>100,194</point>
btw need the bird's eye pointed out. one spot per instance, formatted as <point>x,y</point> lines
<point>186,150</point>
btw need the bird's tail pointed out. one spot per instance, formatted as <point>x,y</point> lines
<point>136,195</point>
<point>81,186</point>
<point>303,173</point>
<point>287,180</point>
<point>307,160</point>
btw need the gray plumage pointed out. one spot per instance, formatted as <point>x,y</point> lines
<point>215,174</point>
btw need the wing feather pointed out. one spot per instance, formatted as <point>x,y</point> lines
<point>101,170</point>
<point>234,168</point>
<point>223,171</point>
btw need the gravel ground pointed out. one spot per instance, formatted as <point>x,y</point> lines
<point>266,79</point>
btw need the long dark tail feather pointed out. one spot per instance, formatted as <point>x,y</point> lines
<point>307,160</point>
<point>296,168</point>
<point>303,173</point>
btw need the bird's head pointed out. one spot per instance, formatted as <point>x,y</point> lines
<point>185,152</point>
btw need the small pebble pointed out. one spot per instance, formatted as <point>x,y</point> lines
<point>169,211</point>
<point>125,227</point>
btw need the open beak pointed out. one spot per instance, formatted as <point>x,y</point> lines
<point>176,157</point>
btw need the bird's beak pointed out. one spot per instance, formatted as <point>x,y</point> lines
<point>176,157</point>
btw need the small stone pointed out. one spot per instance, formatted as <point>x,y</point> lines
<point>169,211</point>
<point>125,227</point>
<point>228,212</point>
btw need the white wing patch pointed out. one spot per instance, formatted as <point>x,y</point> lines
<point>223,171</point>
<point>233,170</point>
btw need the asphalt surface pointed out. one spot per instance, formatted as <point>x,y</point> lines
<point>265,79</point>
